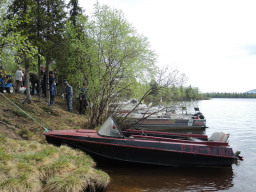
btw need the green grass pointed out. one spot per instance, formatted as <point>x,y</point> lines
<point>19,113</point>
<point>47,109</point>
<point>25,133</point>
<point>30,166</point>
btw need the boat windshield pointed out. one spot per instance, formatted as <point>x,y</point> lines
<point>110,129</point>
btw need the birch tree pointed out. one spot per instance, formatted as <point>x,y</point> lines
<point>118,58</point>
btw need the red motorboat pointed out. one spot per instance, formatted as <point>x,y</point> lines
<point>148,147</point>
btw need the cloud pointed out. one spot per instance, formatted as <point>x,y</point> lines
<point>251,49</point>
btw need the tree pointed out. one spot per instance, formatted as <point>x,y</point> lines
<point>39,14</point>
<point>110,57</point>
<point>6,60</point>
<point>41,22</point>
<point>75,11</point>
<point>75,44</point>
<point>120,56</point>
<point>51,33</point>
<point>20,25</point>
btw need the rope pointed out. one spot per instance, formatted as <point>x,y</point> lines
<point>45,129</point>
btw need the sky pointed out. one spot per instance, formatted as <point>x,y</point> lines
<point>212,41</point>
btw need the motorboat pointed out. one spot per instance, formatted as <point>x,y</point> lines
<point>160,118</point>
<point>148,147</point>
<point>171,122</point>
<point>167,121</point>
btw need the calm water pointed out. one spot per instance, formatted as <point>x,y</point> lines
<point>234,116</point>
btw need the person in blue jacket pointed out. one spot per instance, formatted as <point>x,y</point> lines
<point>52,88</point>
<point>68,94</point>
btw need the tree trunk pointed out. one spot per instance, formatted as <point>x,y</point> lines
<point>47,83</point>
<point>28,99</point>
<point>39,77</point>
<point>39,51</point>
<point>48,56</point>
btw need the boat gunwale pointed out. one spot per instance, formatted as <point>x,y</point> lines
<point>167,133</point>
<point>147,148</point>
<point>209,143</point>
<point>143,138</point>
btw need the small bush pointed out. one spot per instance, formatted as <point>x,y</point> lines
<point>25,134</point>
<point>19,113</point>
<point>49,110</point>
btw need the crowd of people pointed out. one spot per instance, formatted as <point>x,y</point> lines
<point>53,82</point>
<point>68,93</point>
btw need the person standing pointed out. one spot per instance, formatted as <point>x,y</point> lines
<point>18,78</point>
<point>33,78</point>
<point>83,99</point>
<point>52,88</point>
<point>69,94</point>
<point>55,76</point>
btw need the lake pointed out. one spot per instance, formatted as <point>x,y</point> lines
<point>234,116</point>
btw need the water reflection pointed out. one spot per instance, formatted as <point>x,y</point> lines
<point>234,116</point>
<point>137,178</point>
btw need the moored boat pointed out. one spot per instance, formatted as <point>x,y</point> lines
<point>168,122</point>
<point>165,123</point>
<point>164,119</point>
<point>148,148</point>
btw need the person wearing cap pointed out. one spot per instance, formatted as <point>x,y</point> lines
<point>82,99</point>
<point>52,88</point>
<point>68,94</point>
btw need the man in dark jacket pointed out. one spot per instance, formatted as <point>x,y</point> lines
<point>68,94</point>
<point>34,81</point>
<point>52,88</point>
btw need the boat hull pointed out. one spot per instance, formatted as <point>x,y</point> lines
<point>148,152</point>
<point>175,124</point>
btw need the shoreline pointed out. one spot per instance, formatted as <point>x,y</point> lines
<point>29,163</point>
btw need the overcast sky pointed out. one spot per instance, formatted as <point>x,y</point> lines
<point>212,41</point>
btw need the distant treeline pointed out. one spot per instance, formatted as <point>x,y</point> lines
<point>175,93</point>
<point>229,95</point>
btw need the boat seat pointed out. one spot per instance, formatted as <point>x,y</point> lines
<point>219,137</point>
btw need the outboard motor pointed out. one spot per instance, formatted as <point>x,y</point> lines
<point>196,108</point>
<point>201,116</point>
<point>198,115</point>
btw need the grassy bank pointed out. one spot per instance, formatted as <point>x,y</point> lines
<point>28,163</point>
<point>16,124</point>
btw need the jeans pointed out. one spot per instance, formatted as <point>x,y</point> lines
<point>69,103</point>
<point>82,108</point>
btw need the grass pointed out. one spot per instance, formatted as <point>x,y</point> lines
<point>18,113</point>
<point>25,133</point>
<point>52,118</point>
<point>28,163</point>
<point>47,109</point>
<point>31,166</point>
